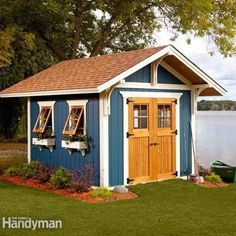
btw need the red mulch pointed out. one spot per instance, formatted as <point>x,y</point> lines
<point>207,184</point>
<point>67,192</point>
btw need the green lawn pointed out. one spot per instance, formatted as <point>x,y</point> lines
<point>173,207</point>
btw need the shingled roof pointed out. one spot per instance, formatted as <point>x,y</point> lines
<point>89,74</point>
<point>84,73</point>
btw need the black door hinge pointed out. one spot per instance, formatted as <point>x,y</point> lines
<point>175,132</point>
<point>128,134</point>
<point>128,101</point>
<point>129,180</point>
<point>175,173</point>
<point>175,101</point>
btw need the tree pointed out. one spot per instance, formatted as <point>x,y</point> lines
<point>35,34</point>
<point>76,28</point>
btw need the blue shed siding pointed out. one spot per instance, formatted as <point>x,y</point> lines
<point>165,77</point>
<point>140,76</point>
<point>116,158</point>
<point>143,76</point>
<point>61,157</point>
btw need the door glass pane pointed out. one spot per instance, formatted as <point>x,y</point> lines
<point>143,110</point>
<point>144,123</point>
<point>140,113</point>
<point>136,123</point>
<point>136,110</point>
<point>164,116</point>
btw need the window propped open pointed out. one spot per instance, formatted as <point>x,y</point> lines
<point>75,121</point>
<point>44,119</point>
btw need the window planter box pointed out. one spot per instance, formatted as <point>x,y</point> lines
<point>46,142</point>
<point>77,145</point>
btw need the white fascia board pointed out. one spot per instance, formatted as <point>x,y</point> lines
<point>155,87</point>
<point>195,69</point>
<point>133,69</point>
<point>128,94</point>
<point>50,93</point>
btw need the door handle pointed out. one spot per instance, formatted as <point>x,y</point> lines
<point>154,144</point>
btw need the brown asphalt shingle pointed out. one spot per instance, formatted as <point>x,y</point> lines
<point>85,73</point>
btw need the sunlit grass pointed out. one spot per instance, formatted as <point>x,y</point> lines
<point>174,207</point>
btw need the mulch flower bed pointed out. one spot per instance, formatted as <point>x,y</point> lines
<point>208,184</point>
<point>67,192</point>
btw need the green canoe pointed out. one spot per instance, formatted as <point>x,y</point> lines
<point>226,172</point>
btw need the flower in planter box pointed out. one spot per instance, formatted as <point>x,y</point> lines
<point>47,134</point>
<point>76,138</point>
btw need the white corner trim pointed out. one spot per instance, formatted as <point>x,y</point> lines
<point>28,130</point>
<point>81,102</point>
<point>157,86</point>
<point>104,141</point>
<point>49,104</point>
<point>127,94</point>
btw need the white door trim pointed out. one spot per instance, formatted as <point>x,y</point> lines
<point>127,94</point>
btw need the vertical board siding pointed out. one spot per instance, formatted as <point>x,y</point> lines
<point>165,77</point>
<point>140,76</point>
<point>116,158</point>
<point>61,157</point>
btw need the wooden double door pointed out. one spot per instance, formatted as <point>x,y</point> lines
<point>152,139</point>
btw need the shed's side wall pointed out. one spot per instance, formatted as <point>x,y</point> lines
<point>116,158</point>
<point>61,157</point>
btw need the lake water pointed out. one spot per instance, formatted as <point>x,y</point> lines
<point>216,137</point>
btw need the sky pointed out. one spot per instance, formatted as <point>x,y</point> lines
<point>221,69</point>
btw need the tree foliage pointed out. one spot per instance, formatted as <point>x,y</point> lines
<point>205,105</point>
<point>76,28</point>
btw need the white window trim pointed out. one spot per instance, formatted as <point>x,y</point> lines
<point>125,95</point>
<point>48,104</point>
<point>82,103</point>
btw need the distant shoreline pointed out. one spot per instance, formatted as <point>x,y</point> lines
<point>222,105</point>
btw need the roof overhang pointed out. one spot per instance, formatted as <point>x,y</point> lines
<point>181,64</point>
<point>170,55</point>
<point>50,93</point>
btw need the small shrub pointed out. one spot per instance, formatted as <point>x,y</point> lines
<point>204,171</point>
<point>43,173</point>
<point>82,179</point>
<point>61,178</point>
<point>12,171</point>
<point>213,178</point>
<point>7,162</point>
<point>101,192</point>
<point>28,171</point>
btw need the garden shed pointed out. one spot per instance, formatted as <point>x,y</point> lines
<point>131,115</point>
